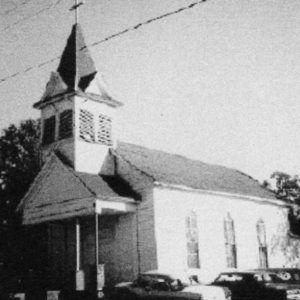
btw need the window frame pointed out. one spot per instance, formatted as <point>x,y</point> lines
<point>230,242</point>
<point>86,126</point>
<point>262,244</point>
<point>104,130</point>
<point>66,120</point>
<point>49,130</point>
<point>192,240</point>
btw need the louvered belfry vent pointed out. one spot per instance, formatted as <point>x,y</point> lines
<point>66,124</point>
<point>49,131</point>
<point>86,126</point>
<point>104,135</point>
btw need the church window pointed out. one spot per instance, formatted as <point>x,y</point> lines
<point>66,124</point>
<point>104,135</point>
<point>49,131</point>
<point>230,245</point>
<point>86,126</point>
<point>192,241</point>
<point>262,243</point>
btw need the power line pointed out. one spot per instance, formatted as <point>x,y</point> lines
<point>31,16</point>
<point>9,11</point>
<point>135,27</point>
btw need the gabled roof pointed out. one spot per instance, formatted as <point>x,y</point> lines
<point>178,170</point>
<point>58,192</point>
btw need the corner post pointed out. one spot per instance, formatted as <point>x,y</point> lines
<point>77,245</point>
<point>80,283</point>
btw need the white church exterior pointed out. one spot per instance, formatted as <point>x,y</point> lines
<point>134,209</point>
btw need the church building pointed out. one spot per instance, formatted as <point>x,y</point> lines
<point>114,209</point>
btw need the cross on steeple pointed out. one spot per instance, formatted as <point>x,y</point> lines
<point>75,7</point>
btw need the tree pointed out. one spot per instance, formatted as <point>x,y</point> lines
<point>287,188</point>
<point>19,164</point>
<point>18,159</point>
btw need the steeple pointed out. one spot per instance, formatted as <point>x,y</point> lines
<point>78,114</point>
<point>76,72</point>
<point>76,67</point>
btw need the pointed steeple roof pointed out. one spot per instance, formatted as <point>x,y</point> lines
<point>76,67</point>
<point>75,73</point>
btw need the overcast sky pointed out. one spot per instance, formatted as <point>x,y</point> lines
<point>219,82</point>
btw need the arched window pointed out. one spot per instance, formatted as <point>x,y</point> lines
<point>192,240</point>
<point>230,245</point>
<point>262,243</point>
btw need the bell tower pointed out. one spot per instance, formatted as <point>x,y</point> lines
<point>77,114</point>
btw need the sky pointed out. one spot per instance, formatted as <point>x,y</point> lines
<point>219,82</point>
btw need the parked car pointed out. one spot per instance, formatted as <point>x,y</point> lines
<point>158,285</point>
<point>286,278</point>
<point>252,285</point>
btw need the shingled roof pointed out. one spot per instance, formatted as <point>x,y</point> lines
<point>178,170</point>
<point>59,192</point>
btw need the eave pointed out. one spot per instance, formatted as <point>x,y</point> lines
<point>266,201</point>
<point>94,97</point>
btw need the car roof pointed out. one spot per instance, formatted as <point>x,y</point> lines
<point>278,269</point>
<point>156,272</point>
<point>244,272</point>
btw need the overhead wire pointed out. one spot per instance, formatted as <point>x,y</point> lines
<point>50,6</point>
<point>9,11</point>
<point>135,27</point>
<point>117,34</point>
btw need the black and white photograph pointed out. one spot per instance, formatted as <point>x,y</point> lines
<point>150,149</point>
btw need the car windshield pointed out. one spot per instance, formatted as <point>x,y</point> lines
<point>230,277</point>
<point>271,278</point>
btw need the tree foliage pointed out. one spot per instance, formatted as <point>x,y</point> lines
<point>287,188</point>
<point>18,160</point>
<point>19,164</point>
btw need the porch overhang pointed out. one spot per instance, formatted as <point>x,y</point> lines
<point>78,208</point>
<point>115,206</point>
